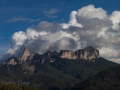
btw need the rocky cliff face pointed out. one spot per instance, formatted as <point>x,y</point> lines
<point>91,53</point>
<point>29,60</point>
<point>88,53</point>
<point>10,62</point>
<point>26,55</point>
<point>67,54</point>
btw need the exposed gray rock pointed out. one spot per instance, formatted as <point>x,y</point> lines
<point>25,55</point>
<point>12,62</point>
<point>91,53</point>
<point>68,54</point>
<point>28,60</point>
<point>88,53</point>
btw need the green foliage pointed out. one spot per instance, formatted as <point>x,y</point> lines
<point>57,75</point>
<point>65,73</point>
<point>106,80</point>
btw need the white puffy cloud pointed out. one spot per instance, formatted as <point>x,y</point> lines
<point>18,38</point>
<point>47,26</point>
<point>115,18</point>
<point>72,21</point>
<point>90,11</point>
<point>89,26</point>
<point>113,53</point>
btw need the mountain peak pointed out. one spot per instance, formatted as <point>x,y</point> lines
<point>26,49</point>
<point>88,53</point>
<point>67,54</point>
<point>25,54</point>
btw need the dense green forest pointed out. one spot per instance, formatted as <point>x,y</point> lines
<point>57,75</point>
<point>106,80</point>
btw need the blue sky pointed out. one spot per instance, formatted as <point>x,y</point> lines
<point>18,15</point>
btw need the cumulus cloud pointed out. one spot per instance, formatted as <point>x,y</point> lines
<point>115,18</point>
<point>87,26</point>
<point>90,12</point>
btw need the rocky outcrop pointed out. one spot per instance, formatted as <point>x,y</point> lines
<point>88,53</point>
<point>91,53</point>
<point>36,58</point>
<point>80,54</point>
<point>67,54</point>
<point>26,55</point>
<point>39,58</point>
<point>28,60</point>
<point>10,62</point>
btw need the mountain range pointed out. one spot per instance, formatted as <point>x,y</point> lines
<point>54,70</point>
<point>88,53</point>
<point>108,79</point>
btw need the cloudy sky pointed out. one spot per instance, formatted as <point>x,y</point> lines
<point>43,25</point>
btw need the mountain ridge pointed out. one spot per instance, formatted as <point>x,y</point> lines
<point>108,79</point>
<point>88,53</point>
<point>52,70</point>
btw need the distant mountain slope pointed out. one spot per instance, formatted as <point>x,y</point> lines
<point>106,80</point>
<point>66,73</point>
<point>61,73</point>
<point>53,70</point>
